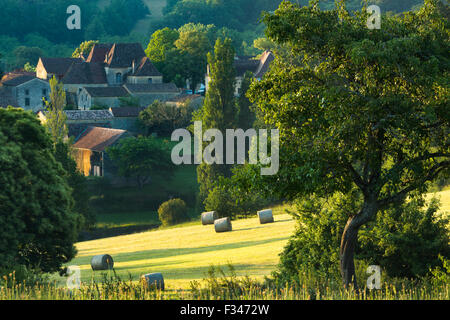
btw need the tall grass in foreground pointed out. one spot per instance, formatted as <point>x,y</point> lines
<point>220,286</point>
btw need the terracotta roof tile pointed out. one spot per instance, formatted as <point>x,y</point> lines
<point>98,139</point>
<point>17,78</point>
<point>98,52</point>
<point>122,55</point>
<point>85,73</point>
<point>145,68</point>
<point>58,66</point>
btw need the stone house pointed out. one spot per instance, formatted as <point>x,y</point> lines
<point>148,93</point>
<point>107,66</point>
<point>79,120</point>
<point>48,67</point>
<point>90,150</point>
<point>126,118</point>
<point>100,96</point>
<point>25,90</point>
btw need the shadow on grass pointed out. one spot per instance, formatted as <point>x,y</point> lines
<point>165,253</point>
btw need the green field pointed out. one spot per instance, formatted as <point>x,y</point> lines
<point>185,252</point>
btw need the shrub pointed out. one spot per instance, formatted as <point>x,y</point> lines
<point>228,199</point>
<point>172,212</point>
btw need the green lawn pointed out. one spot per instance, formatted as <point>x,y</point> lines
<point>185,252</point>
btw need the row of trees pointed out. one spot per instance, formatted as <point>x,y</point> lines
<point>181,54</point>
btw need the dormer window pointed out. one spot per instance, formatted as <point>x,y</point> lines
<point>118,78</point>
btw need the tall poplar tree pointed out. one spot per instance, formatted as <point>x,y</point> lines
<point>56,118</point>
<point>219,109</point>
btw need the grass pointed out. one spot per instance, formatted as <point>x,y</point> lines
<point>185,253</point>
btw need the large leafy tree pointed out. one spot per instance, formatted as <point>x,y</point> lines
<point>358,107</point>
<point>37,223</point>
<point>219,109</point>
<point>142,158</point>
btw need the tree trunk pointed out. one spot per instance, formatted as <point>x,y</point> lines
<point>347,251</point>
<point>349,240</point>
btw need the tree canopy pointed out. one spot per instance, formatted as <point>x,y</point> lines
<point>37,223</point>
<point>142,158</point>
<point>358,107</point>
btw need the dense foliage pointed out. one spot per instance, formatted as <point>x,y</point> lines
<point>163,119</point>
<point>218,112</point>
<point>141,159</point>
<point>37,221</point>
<point>172,212</point>
<point>358,107</point>
<point>405,241</point>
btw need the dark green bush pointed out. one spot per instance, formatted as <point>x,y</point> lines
<point>172,212</point>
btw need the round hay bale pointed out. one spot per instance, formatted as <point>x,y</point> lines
<point>265,216</point>
<point>222,225</point>
<point>209,217</point>
<point>154,280</point>
<point>102,262</point>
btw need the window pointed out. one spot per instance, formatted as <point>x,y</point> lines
<point>150,80</point>
<point>27,102</point>
<point>118,77</point>
<point>97,171</point>
<point>27,92</point>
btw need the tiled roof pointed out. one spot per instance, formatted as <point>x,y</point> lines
<point>152,87</point>
<point>242,66</point>
<point>106,92</point>
<point>74,115</point>
<point>17,78</point>
<point>122,55</point>
<point>97,138</point>
<point>58,66</point>
<point>266,59</point>
<point>257,66</point>
<point>85,73</point>
<point>145,68</point>
<point>76,129</point>
<point>126,112</point>
<point>98,52</point>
